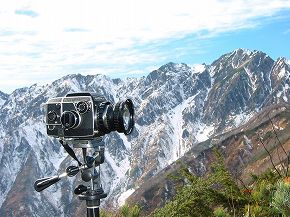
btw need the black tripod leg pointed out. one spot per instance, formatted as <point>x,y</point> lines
<point>93,208</point>
<point>93,212</point>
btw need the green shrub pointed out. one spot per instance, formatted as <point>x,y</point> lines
<point>221,212</point>
<point>281,198</point>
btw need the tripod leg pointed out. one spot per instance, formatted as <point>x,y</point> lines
<point>93,209</point>
<point>93,212</point>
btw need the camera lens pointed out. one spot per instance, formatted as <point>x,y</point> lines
<point>70,119</point>
<point>119,118</point>
<point>124,117</point>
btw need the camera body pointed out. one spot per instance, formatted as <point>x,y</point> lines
<point>85,116</point>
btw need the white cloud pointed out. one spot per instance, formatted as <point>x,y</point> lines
<point>56,35</point>
<point>286,31</point>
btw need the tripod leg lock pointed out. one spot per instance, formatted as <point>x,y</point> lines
<point>80,189</point>
<point>92,195</point>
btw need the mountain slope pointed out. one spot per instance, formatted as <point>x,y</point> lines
<point>241,149</point>
<point>176,106</point>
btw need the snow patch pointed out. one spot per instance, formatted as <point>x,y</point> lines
<point>118,178</point>
<point>245,51</point>
<point>198,68</point>
<point>283,92</point>
<point>32,131</point>
<point>73,84</point>
<point>248,142</point>
<point>241,119</point>
<point>282,73</point>
<point>122,198</point>
<point>176,120</point>
<point>121,169</point>
<point>125,141</point>
<point>252,78</point>
<point>204,132</point>
<point>2,102</point>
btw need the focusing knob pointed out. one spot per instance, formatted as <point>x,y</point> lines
<point>70,119</point>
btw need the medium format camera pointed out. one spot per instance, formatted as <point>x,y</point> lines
<point>85,116</point>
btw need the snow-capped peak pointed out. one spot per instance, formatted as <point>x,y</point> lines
<point>198,68</point>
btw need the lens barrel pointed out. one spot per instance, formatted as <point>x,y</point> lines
<point>119,118</point>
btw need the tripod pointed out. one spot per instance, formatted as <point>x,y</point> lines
<point>90,172</point>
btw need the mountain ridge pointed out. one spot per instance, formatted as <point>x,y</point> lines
<point>176,108</point>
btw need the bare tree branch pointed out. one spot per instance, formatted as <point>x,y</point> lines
<point>271,159</point>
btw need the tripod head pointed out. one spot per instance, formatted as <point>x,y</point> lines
<point>90,173</point>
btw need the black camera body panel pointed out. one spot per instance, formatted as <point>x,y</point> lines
<point>66,117</point>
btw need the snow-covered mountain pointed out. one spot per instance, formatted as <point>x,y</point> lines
<point>177,107</point>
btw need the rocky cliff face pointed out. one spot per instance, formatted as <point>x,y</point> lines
<point>176,106</point>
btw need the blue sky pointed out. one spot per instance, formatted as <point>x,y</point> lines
<point>41,41</point>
